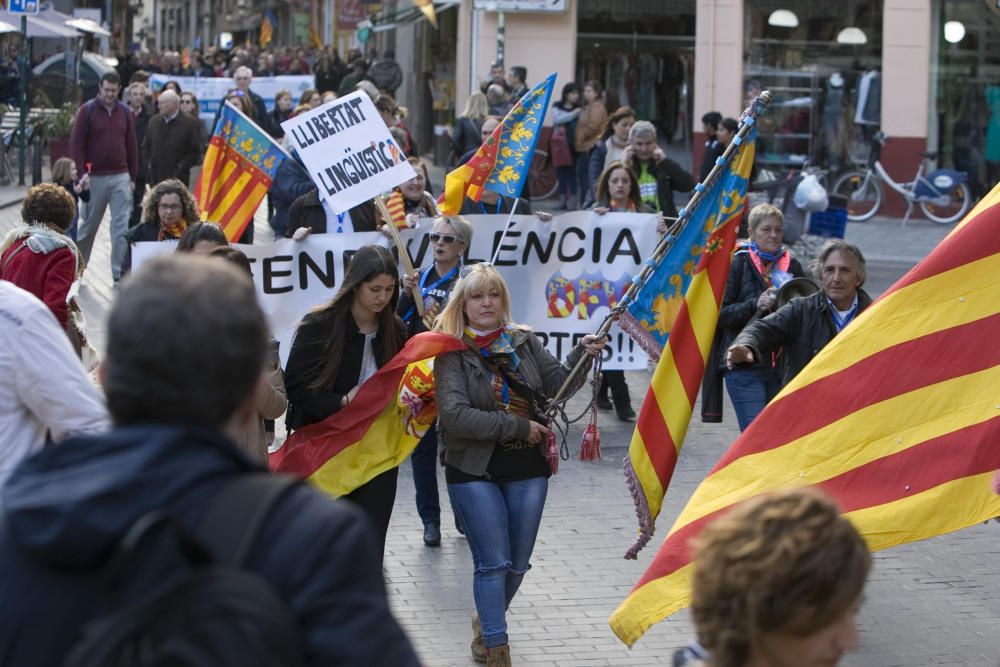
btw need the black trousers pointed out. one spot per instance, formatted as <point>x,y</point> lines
<point>376,498</point>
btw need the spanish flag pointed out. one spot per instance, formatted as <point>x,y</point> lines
<point>377,430</point>
<point>689,320</point>
<point>898,418</point>
<point>240,163</point>
<point>502,162</point>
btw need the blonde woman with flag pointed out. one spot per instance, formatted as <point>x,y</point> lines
<point>491,400</point>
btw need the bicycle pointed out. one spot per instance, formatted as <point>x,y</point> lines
<point>943,195</point>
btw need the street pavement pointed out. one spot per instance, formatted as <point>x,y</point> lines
<point>935,602</point>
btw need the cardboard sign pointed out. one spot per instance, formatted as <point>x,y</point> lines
<point>348,151</point>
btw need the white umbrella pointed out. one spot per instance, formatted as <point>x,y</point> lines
<point>7,27</point>
<point>88,25</point>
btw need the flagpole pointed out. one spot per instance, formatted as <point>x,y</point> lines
<point>404,257</point>
<point>749,119</point>
<point>510,217</point>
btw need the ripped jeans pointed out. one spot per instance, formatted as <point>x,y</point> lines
<point>501,523</point>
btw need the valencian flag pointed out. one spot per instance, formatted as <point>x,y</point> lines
<point>267,26</point>
<point>501,164</point>
<point>689,319</point>
<point>897,418</point>
<point>377,430</point>
<point>239,165</point>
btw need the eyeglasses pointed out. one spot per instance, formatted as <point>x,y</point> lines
<point>447,239</point>
<point>170,207</point>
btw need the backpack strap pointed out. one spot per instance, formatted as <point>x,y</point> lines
<point>237,512</point>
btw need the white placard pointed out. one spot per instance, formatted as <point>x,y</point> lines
<point>563,275</point>
<point>348,151</point>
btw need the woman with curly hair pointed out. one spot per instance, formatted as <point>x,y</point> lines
<point>777,581</point>
<point>166,212</point>
<point>38,256</point>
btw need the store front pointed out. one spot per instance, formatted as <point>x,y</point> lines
<point>822,62</point>
<point>642,52</point>
<point>965,94</point>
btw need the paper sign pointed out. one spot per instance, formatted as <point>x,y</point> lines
<point>348,151</point>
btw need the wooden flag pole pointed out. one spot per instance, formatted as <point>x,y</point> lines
<point>404,256</point>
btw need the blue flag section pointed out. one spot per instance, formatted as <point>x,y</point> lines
<point>518,135</point>
<point>651,315</point>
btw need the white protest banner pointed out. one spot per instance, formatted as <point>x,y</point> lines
<point>564,276</point>
<point>211,91</point>
<point>348,151</point>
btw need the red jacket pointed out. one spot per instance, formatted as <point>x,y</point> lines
<point>46,275</point>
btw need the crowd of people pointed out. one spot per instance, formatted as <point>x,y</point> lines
<point>191,383</point>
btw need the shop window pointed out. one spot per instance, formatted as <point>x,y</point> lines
<point>821,62</point>
<point>965,90</point>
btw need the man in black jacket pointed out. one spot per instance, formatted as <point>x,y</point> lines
<point>174,405</point>
<point>659,176</point>
<point>803,327</point>
<point>172,144</point>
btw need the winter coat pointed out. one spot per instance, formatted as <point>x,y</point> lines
<point>739,302</point>
<point>469,423</point>
<point>801,328</point>
<point>66,509</point>
<point>670,177</point>
<point>169,150</point>
<point>291,181</point>
<point>590,126</point>
<point>308,211</point>
<point>42,261</point>
<point>467,136</point>
<point>387,75</point>
<point>308,405</point>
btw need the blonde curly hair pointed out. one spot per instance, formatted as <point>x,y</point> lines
<point>783,562</point>
<point>171,186</point>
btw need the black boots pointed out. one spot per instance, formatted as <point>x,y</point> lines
<point>620,401</point>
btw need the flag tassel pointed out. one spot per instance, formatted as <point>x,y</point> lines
<point>590,446</point>
<point>642,512</point>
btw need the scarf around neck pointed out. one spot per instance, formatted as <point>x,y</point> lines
<point>173,231</point>
<point>496,346</point>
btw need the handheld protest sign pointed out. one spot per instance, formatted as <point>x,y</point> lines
<point>348,151</point>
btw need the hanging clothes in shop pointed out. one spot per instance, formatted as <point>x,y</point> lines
<point>868,108</point>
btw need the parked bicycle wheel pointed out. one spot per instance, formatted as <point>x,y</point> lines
<point>863,193</point>
<point>542,178</point>
<point>949,208</point>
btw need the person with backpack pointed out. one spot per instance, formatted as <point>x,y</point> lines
<point>386,73</point>
<point>160,542</point>
<point>103,144</point>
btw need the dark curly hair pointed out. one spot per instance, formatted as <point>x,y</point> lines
<point>49,204</point>
<point>201,231</point>
<point>780,563</point>
<point>171,186</point>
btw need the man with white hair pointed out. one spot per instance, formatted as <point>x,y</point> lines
<point>659,177</point>
<point>242,77</point>
<point>172,144</point>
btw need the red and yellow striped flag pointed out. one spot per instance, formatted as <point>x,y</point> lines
<point>898,418</point>
<point>239,166</point>
<point>666,412</point>
<point>377,430</point>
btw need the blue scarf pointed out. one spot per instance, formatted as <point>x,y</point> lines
<point>767,256</point>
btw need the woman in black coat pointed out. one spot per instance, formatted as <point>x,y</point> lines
<point>338,347</point>
<point>758,269</point>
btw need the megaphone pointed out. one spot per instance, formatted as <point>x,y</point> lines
<point>795,288</point>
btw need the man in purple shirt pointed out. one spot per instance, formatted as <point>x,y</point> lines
<point>104,145</point>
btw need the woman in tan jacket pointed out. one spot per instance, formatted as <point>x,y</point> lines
<point>589,126</point>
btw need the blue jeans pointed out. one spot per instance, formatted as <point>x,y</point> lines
<point>750,389</point>
<point>501,523</point>
<point>424,461</point>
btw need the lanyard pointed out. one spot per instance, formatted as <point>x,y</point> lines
<point>424,291</point>
<point>841,322</point>
<point>499,203</point>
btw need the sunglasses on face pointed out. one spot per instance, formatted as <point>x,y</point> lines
<point>447,239</point>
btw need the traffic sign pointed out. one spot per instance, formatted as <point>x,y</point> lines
<point>23,7</point>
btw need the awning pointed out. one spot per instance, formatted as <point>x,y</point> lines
<point>39,27</point>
